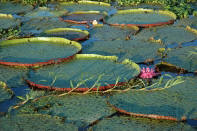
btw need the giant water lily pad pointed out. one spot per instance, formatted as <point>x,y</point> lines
<point>138,124</point>
<point>38,25</point>
<point>34,122</point>
<point>106,32</point>
<point>37,51</point>
<point>85,6</point>
<point>183,57</point>
<point>168,34</point>
<point>8,21</point>
<point>175,103</point>
<point>77,109</point>
<point>5,93</point>
<point>69,33</point>
<point>142,17</point>
<point>135,50</point>
<point>83,17</point>
<point>14,8</point>
<point>91,70</point>
<point>42,12</point>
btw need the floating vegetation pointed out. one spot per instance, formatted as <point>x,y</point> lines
<point>45,48</point>
<point>8,21</point>
<point>136,50</point>
<point>68,33</point>
<point>87,72</point>
<point>5,93</point>
<point>169,104</point>
<point>35,122</point>
<point>83,17</point>
<point>141,18</point>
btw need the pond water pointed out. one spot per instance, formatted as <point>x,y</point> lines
<point>125,51</point>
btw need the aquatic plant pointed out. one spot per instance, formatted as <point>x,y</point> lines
<point>148,73</point>
<point>11,33</point>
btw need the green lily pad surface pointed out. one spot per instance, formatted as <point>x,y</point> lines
<point>168,34</point>
<point>106,32</point>
<point>34,122</point>
<point>38,49</point>
<point>36,26</point>
<point>85,6</point>
<point>77,109</point>
<point>135,50</point>
<point>7,21</point>
<point>138,16</point>
<point>5,93</point>
<point>183,57</point>
<point>14,8</point>
<point>93,69</point>
<point>138,124</point>
<point>178,101</point>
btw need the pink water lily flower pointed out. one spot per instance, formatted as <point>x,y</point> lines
<point>148,73</point>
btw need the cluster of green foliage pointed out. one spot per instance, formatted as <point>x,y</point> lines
<point>9,34</point>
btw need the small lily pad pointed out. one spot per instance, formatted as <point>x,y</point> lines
<point>135,50</point>
<point>138,124</point>
<point>106,32</point>
<point>34,122</point>
<point>14,8</point>
<point>167,34</point>
<point>183,57</point>
<point>91,70</point>
<point>83,17</point>
<point>38,25</point>
<point>141,17</point>
<point>178,102</point>
<point>80,110</point>
<point>68,33</point>
<point>36,51</point>
<point>7,21</point>
<point>5,93</point>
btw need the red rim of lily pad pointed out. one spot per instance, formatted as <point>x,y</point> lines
<point>54,40</point>
<point>171,14</point>
<point>83,12</point>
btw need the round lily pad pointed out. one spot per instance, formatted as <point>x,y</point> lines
<point>84,72</point>
<point>176,103</point>
<point>42,12</point>
<point>183,57</point>
<point>38,25</point>
<point>137,124</point>
<point>136,50</point>
<point>14,8</point>
<point>80,110</point>
<point>83,17</point>
<point>168,34</point>
<point>69,33</point>
<point>38,51</point>
<point>142,18</point>
<point>85,6</point>
<point>106,32</point>
<point>34,122</point>
<point>5,93</point>
<point>7,21</point>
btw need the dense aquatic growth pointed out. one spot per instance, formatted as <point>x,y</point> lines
<point>169,35</point>
<point>5,93</point>
<point>38,51</point>
<point>94,72</point>
<point>176,102</point>
<point>142,18</point>
<point>38,25</point>
<point>34,122</point>
<point>132,49</point>
<point>80,110</point>
<point>8,21</point>
<point>83,17</point>
<point>68,33</point>
<point>14,8</point>
<point>138,124</point>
